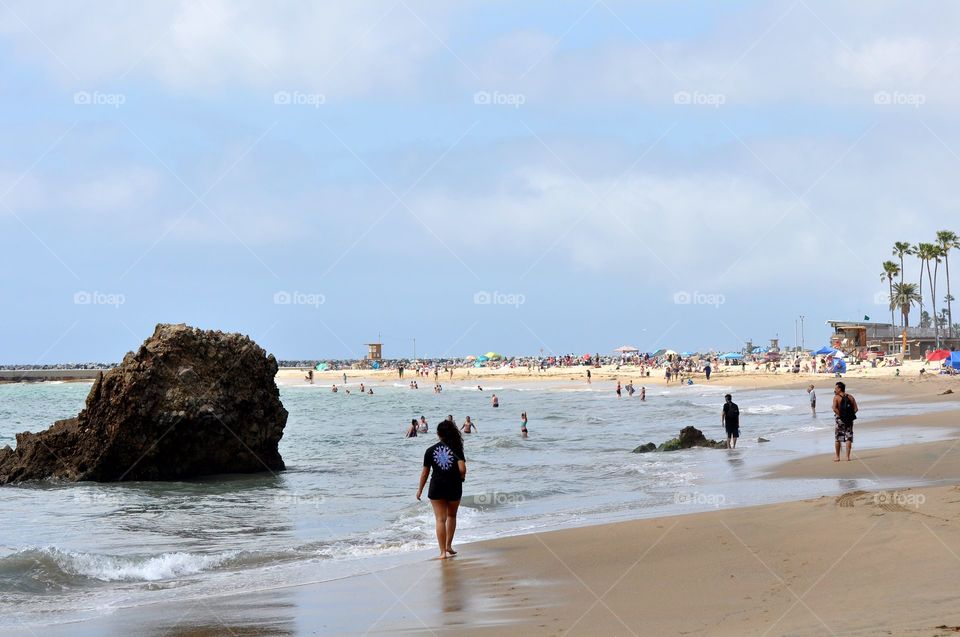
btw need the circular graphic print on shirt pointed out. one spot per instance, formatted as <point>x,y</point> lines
<point>444,457</point>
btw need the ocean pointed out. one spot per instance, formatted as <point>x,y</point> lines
<point>346,503</point>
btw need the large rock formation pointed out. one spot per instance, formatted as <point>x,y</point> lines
<point>188,403</point>
<point>689,437</point>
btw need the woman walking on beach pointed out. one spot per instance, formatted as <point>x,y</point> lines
<point>449,468</point>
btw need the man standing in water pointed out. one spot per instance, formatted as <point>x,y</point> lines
<point>813,400</point>
<point>845,409</point>
<point>588,376</point>
<point>731,421</point>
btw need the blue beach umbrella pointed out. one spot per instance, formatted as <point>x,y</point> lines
<point>825,351</point>
<point>732,356</point>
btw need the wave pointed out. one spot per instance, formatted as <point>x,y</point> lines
<point>768,409</point>
<point>54,568</point>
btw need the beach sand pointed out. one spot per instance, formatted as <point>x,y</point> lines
<point>860,563</point>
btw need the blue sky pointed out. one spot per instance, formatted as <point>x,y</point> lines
<point>314,174</point>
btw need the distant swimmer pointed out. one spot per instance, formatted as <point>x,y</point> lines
<point>496,401</point>
<point>334,389</point>
<point>450,418</point>
<point>731,421</point>
<point>362,390</point>
<point>344,378</point>
<point>643,393</point>
<point>630,389</point>
<point>424,428</point>
<point>468,427</point>
<point>412,430</point>
<point>479,388</point>
<point>619,395</point>
<point>370,392</point>
<point>813,400</point>
<point>523,424</point>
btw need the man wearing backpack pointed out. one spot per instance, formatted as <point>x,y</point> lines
<point>845,409</point>
<point>731,421</point>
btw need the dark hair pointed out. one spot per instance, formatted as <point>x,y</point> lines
<point>842,387</point>
<point>450,436</point>
<point>414,422</point>
<point>728,397</point>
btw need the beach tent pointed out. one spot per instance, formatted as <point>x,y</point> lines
<point>954,360</point>
<point>840,366</point>
<point>626,349</point>
<point>658,353</point>
<point>669,352</point>
<point>939,355</point>
<point>731,356</point>
<point>825,351</point>
<point>321,367</point>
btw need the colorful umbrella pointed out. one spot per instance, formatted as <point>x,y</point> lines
<point>471,358</point>
<point>939,355</point>
<point>626,349</point>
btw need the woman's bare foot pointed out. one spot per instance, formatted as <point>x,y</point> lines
<point>836,459</point>
<point>451,551</point>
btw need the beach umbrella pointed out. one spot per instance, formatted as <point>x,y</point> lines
<point>321,367</point>
<point>626,349</point>
<point>825,350</point>
<point>760,350</point>
<point>732,356</point>
<point>493,356</point>
<point>939,355</point>
<point>954,361</point>
<point>471,358</point>
<point>686,353</point>
<point>669,352</point>
<point>482,359</point>
<point>478,363</point>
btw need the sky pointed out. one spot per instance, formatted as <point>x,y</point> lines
<point>471,176</point>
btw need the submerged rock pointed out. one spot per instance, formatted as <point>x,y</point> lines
<point>689,437</point>
<point>762,440</point>
<point>188,403</point>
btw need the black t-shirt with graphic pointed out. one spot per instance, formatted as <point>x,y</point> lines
<point>443,463</point>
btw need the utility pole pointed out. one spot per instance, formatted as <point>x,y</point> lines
<point>414,348</point>
<point>801,332</point>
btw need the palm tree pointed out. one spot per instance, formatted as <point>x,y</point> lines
<point>948,241</point>
<point>921,252</point>
<point>904,296</point>
<point>901,248</point>
<point>890,270</point>
<point>928,252</point>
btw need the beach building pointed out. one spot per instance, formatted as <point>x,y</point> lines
<point>866,337</point>
<point>374,351</point>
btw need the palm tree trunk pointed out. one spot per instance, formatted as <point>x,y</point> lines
<point>893,321</point>
<point>946,263</point>
<point>933,306</point>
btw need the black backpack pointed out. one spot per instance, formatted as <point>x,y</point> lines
<point>733,411</point>
<point>847,413</point>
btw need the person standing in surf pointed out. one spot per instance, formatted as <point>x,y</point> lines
<point>845,409</point>
<point>523,424</point>
<point>446,467</point>
<point>731,421</point>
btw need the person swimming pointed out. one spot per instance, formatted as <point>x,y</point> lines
<point>523,424</point>
<point>424,428</point>
<point>334,389</point>
<point>496,401</point>
<point>412,431</point>
<point>468,426</point>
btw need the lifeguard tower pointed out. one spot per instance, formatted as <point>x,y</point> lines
<point>374,351</point>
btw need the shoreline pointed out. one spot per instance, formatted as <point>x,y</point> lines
<point>548,582</point>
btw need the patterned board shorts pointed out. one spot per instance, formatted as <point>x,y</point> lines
<point>844,432</point>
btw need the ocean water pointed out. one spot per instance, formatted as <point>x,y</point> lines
<point>346,503</point>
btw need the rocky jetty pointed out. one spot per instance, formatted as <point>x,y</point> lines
<point>188,403</point>
<point>689,437</point>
